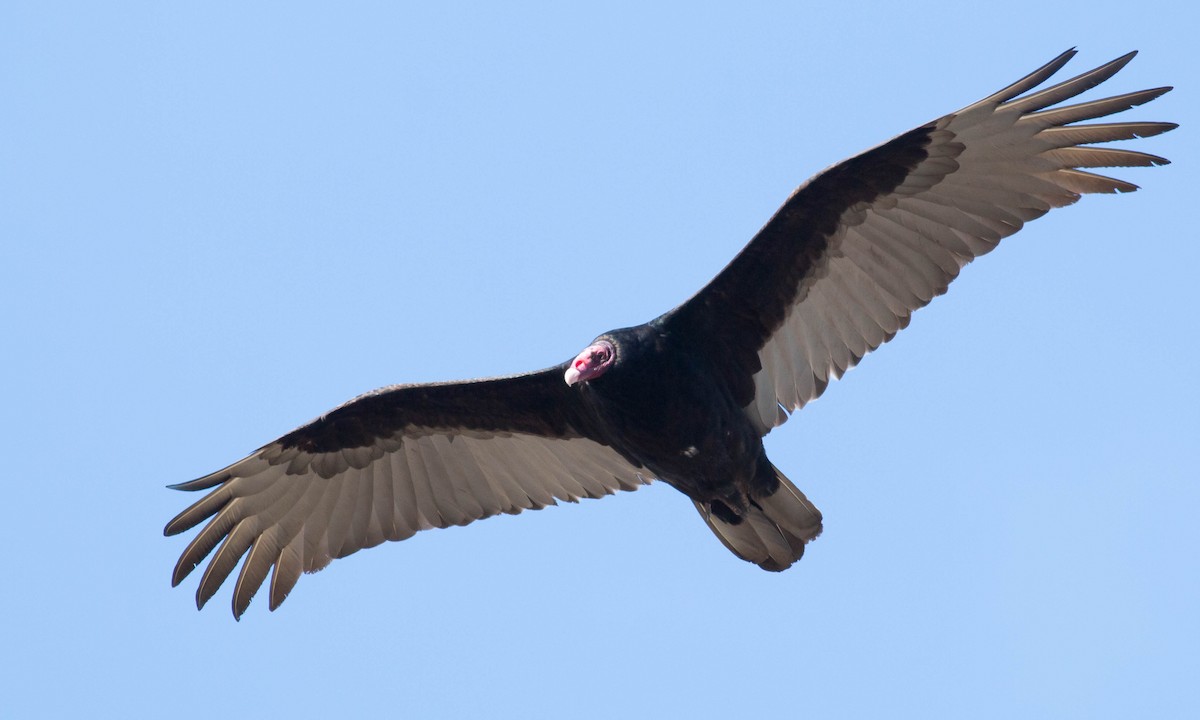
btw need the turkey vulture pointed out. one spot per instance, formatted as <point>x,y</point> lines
<point>687,397</point>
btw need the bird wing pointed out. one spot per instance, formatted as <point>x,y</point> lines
<point>390,463</point>
<point>854,251</point>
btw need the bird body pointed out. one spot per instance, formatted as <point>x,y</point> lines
<point>668,409</point>
<point>687,397</point>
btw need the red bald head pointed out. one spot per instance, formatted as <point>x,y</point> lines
<point>591,363</point>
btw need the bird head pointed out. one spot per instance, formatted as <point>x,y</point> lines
<point>590,364</point>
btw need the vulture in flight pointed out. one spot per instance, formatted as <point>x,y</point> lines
<point>687,397</point>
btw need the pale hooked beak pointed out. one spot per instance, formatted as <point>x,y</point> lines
<point>572,375</point>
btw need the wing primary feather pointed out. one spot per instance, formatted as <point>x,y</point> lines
<point>203,483</point>
<point>1069,135</point>
<point>263,552</point>
<point>1094,157</point>
<point>200,546</point>
<point>1069,88</point>
<point>198,512</point>
<point>235,545</point>
<point>283,523</point>
<point>1095,108</point>
<point>288,568</point>
<point>1085,182</point>
<point>286,532</point>
<point>234,510</point>
<point>1030,81</point>
<point>212,503</point>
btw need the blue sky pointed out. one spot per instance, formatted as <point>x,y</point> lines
<point>218,221</point>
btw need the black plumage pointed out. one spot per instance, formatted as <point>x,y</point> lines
<point>687,397</point>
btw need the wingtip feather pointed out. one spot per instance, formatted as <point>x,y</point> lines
<point>1030,81</point>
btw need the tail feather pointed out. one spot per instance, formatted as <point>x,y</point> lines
<point>773,532</point>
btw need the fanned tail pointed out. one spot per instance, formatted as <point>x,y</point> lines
<point>772,534</point>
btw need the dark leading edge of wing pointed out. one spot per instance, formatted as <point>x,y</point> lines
<point>854,251</point>
<point>748,301</point>
<point>388,464</point>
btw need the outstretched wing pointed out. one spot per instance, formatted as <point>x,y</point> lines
<point>854,251</point>
<point>390,463</point>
